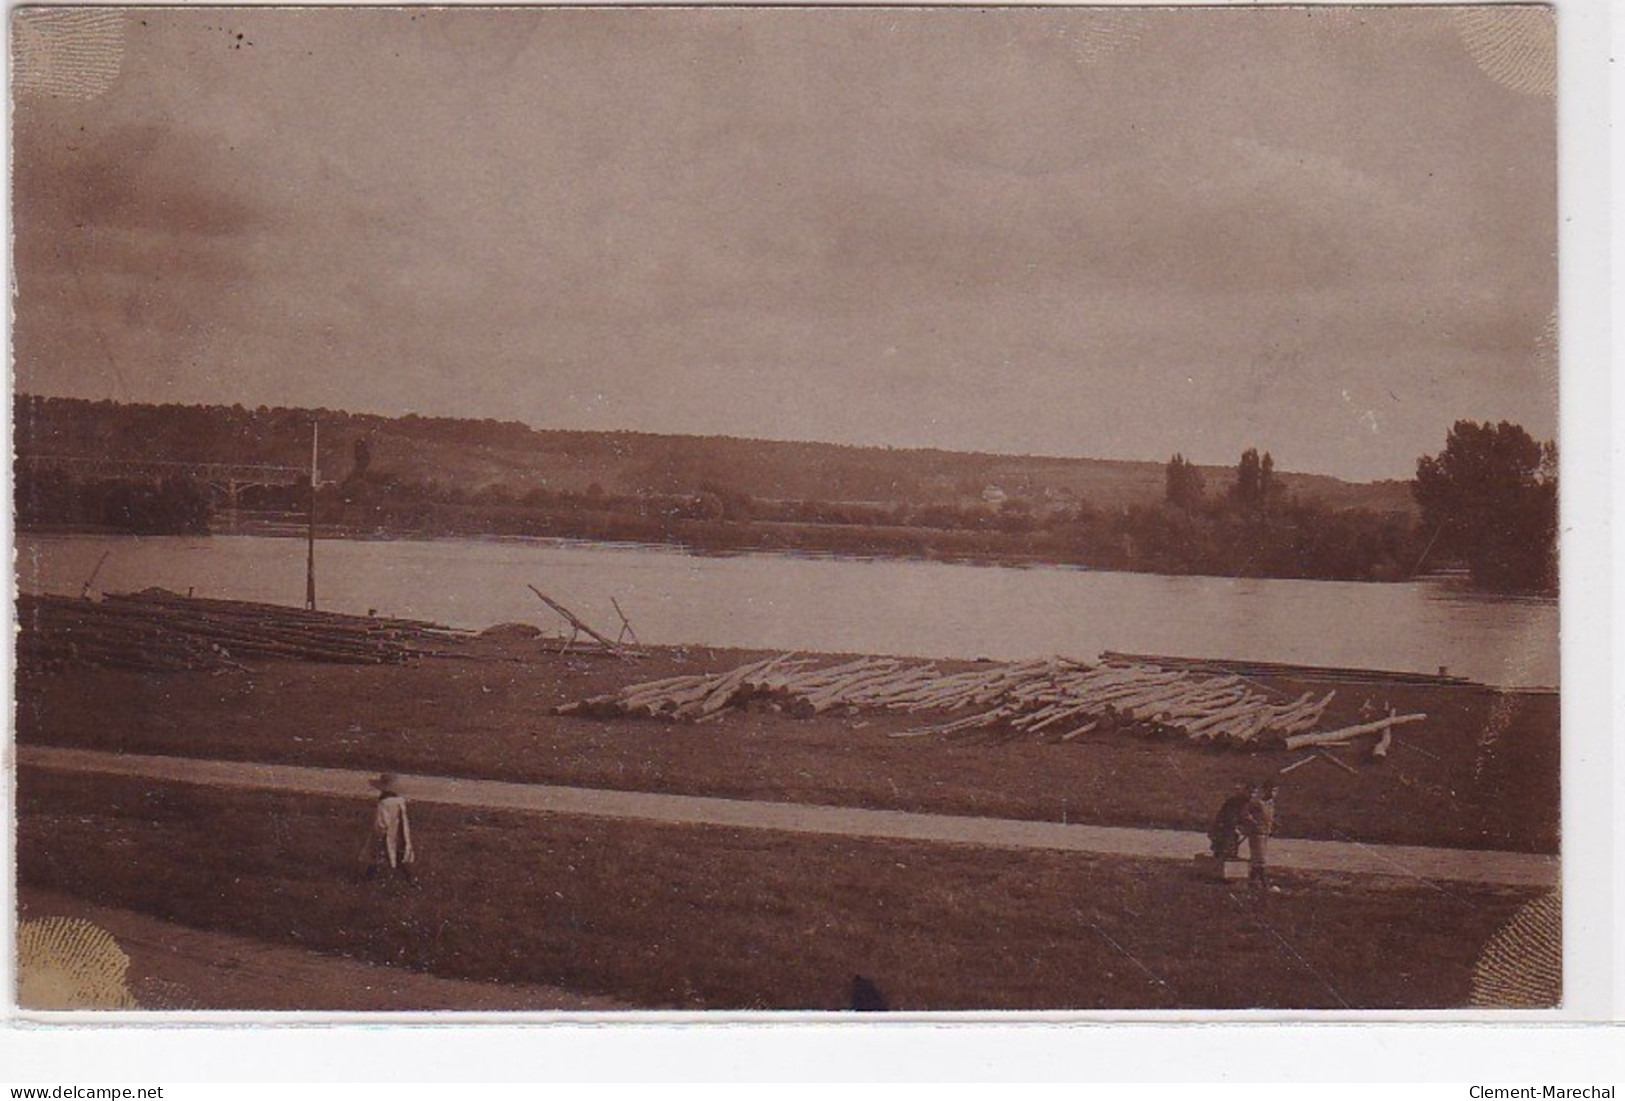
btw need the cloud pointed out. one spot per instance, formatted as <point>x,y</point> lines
<point>1043,230</point>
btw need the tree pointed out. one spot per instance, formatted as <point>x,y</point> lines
<point>362,453</point>
<point>1248,487</point>
<point>1183,483</point>
<point>1491,498</point>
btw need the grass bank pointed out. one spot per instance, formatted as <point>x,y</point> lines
<point>704,918</point>
<point>1482,772</point>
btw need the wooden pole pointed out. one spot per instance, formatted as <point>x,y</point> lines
<point>84,593</point>
<point>626,625</point>
<point>576,623</point>
<point>310,535</point>
<point>1423,557</point>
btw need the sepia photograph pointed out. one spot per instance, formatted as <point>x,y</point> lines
<point>596,511</point>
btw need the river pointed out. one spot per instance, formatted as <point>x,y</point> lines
<point>762,601</point>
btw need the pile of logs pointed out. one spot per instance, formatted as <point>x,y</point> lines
<point>1276,669</point>
<point>1050,698</point>
<point>161,631</point>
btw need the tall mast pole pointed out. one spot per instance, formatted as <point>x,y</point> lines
<point>310,541</point>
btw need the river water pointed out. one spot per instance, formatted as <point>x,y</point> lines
<point>761,601</point>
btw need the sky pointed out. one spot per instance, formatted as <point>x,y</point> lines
<point>1114,233</point>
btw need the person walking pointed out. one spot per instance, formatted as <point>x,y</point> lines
<point>1257,823</point>
<point>389,845</point>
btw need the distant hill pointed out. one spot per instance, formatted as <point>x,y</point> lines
<point>476,455</point>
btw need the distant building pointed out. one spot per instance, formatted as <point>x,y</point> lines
<point>993,495</point>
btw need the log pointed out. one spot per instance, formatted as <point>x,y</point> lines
<point>1030,720</point>
<point>1379,752</point>
<point>1222,717</point>
<point>1064,713</point>
<point>178,633</point>
<point>720,696</point>
<point>1265,668</point>
<point>843,688</point>
<point>980,719</point>
<point>1309,718</point>
<point>664,682</point>
<point>164,603</point>
<point>1036,699</point>
<point>1331,736</point>
<point>823,678</point>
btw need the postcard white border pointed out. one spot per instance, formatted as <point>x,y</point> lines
<point>1037,1047</point>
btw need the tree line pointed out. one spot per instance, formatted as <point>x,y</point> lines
<point>1487,501</point>
<point>169,506</point>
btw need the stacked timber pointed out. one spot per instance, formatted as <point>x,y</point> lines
<point>1053,698</point>
<point>1278,669</point>
<point>161,631</point>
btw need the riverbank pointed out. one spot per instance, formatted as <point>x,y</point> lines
<point>680,916</point>
<point>1481,772</point>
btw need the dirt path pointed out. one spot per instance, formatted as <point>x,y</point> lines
<point>1407,861</point>
<point>174,967</point>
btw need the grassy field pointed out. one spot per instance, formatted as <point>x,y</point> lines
<point>707,918</point>
<point>701,918</point>
<point>1482,772</point>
